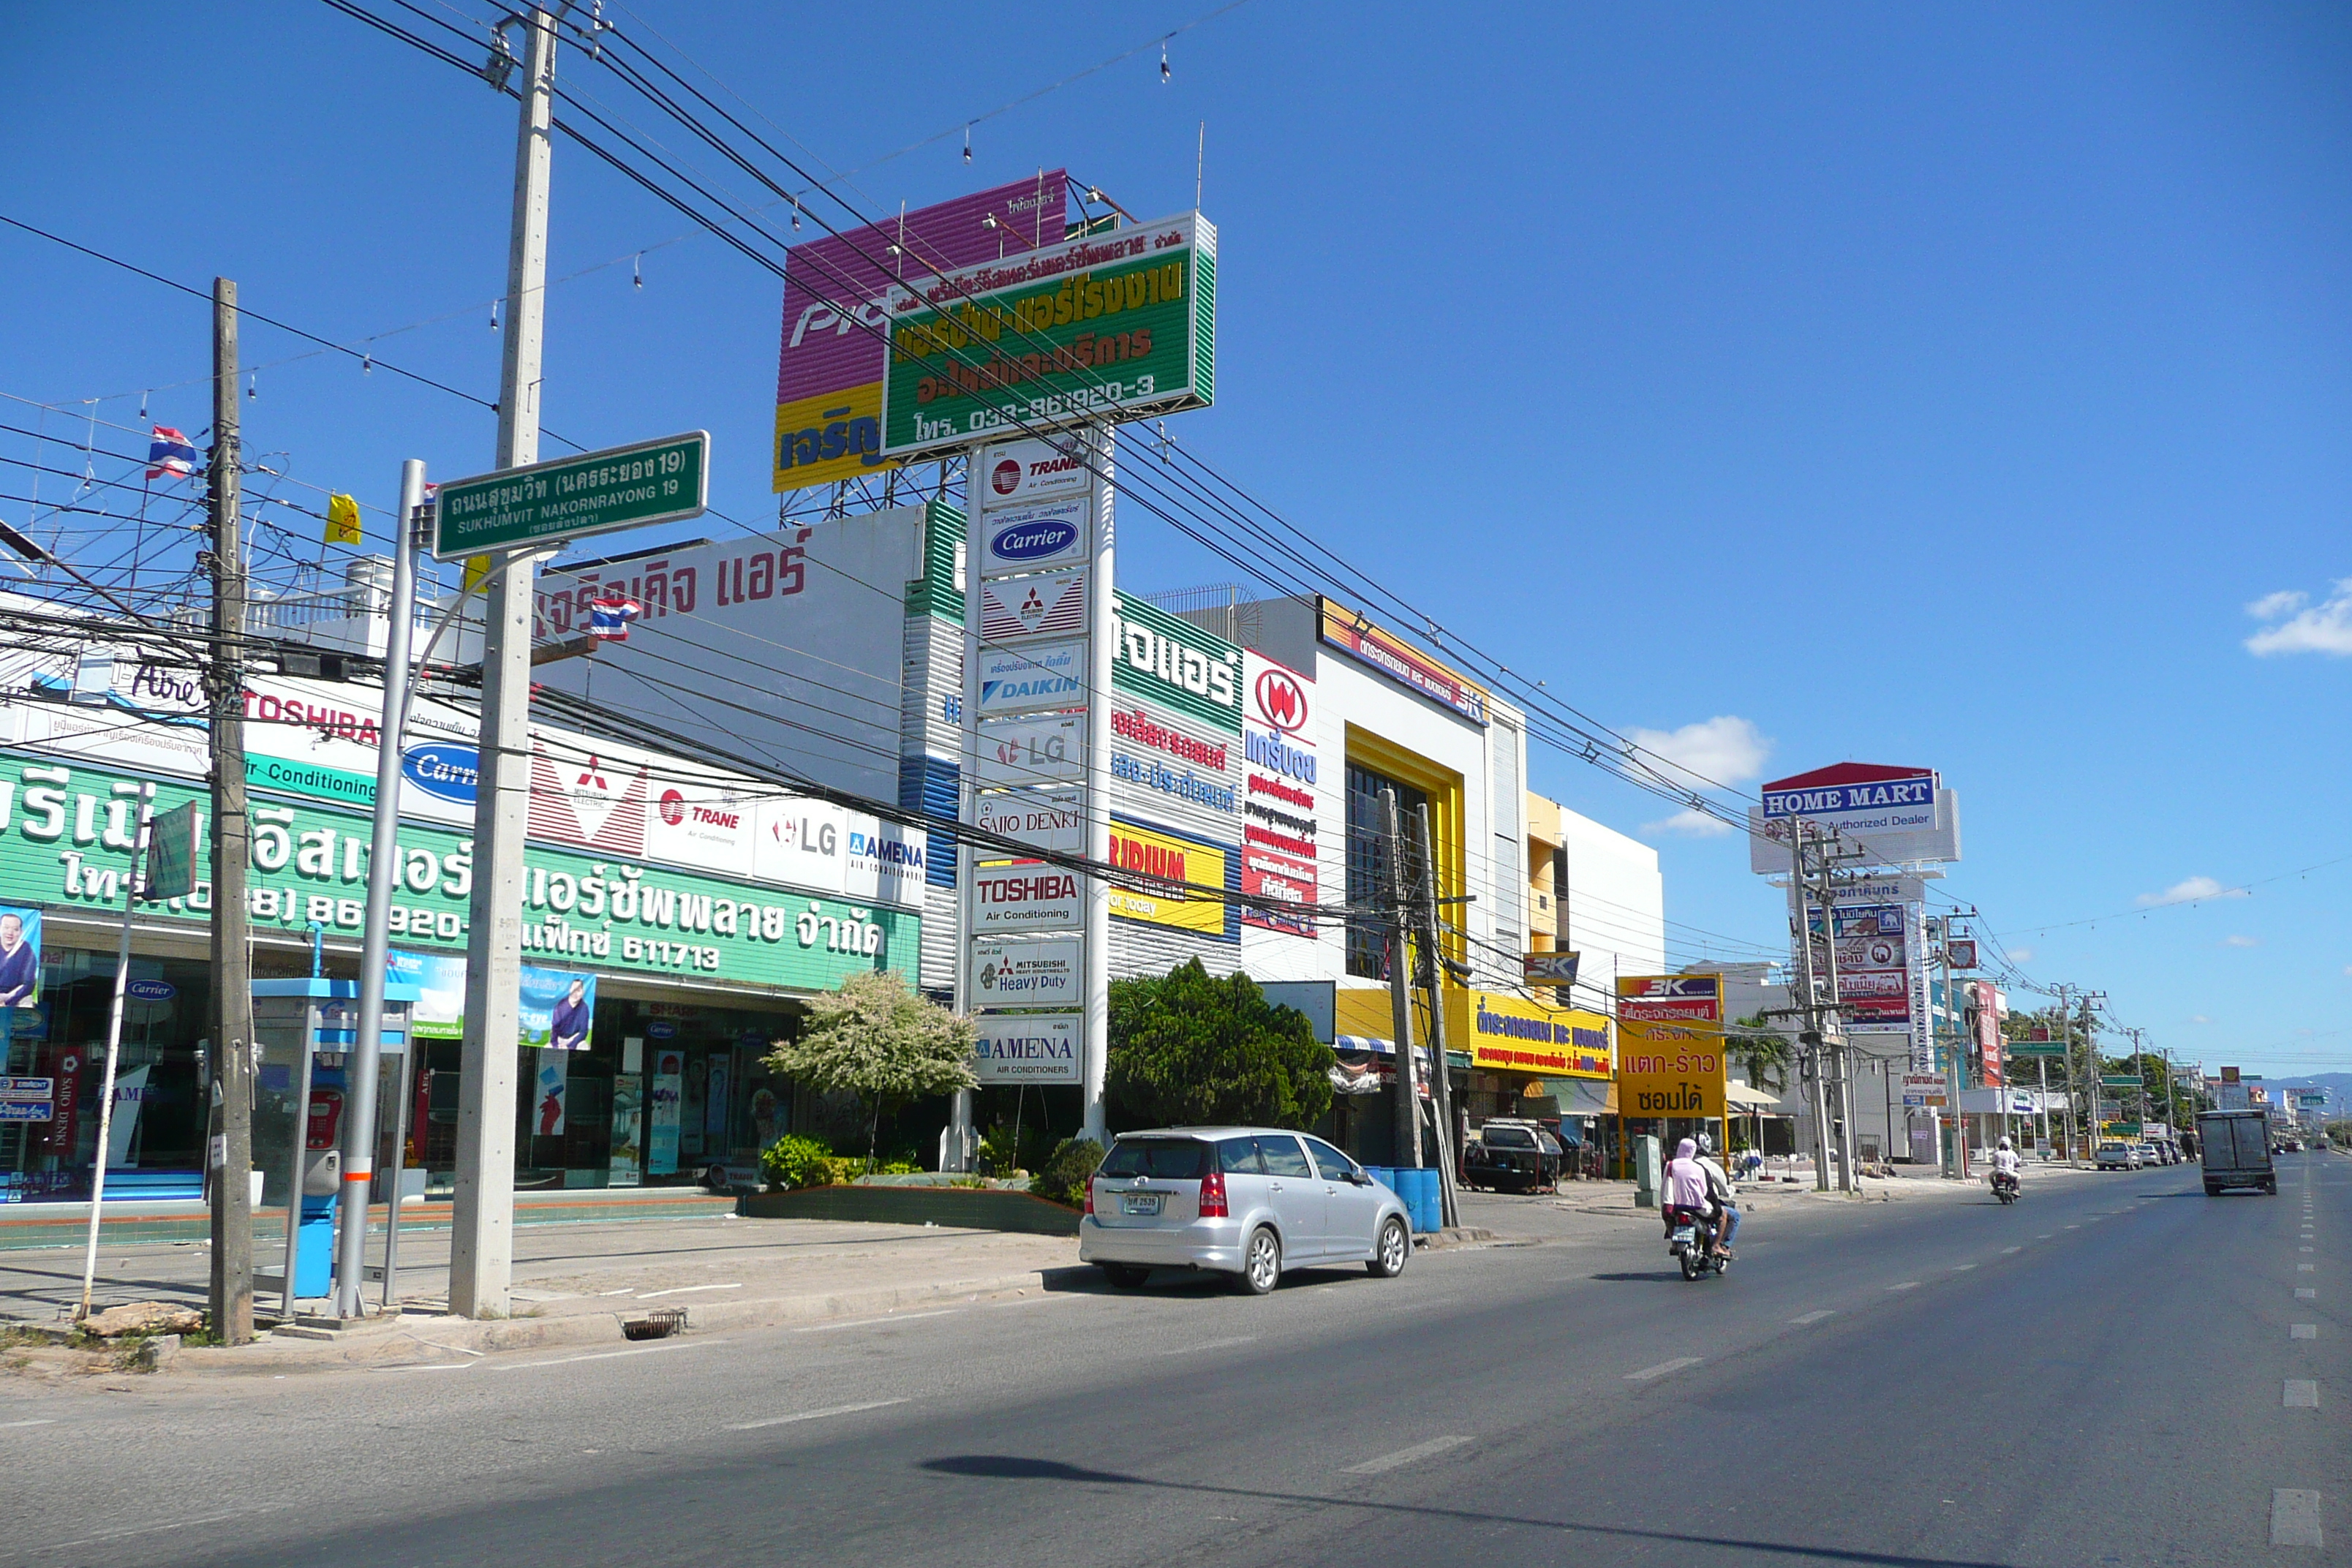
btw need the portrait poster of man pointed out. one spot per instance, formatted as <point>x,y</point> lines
<point>20,956</point>
<point>557,1008</point>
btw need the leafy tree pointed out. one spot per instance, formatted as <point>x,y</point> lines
<point>881,1042</point>
<point>1193,1048</point>
<point>1762,1052</point>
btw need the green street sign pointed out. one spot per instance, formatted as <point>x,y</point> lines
<point>2120,1081</point>
<point>2119,1129</point>
<point>2037,1048</point>
<point>623,487</point>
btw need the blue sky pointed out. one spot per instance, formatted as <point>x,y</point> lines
<point>1924,386</point>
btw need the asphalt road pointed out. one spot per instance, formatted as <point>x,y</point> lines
<point>2107,1372</point>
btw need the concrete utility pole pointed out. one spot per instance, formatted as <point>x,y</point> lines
<point>481,1244</point>
<point>1449,1148</point>
<point>384,867</point>
<point>2066,1064</point>
<point>1408,1094</point>
<point>1808,1003</point>
<point>1840,1049</point>
<point>114,1043</point>
<point>230,1155</point>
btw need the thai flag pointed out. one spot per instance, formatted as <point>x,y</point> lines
<point>169,453</point>
<point>609,617</point>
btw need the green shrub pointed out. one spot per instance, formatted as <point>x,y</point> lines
<point>1064,1180</point>
<point>791,1163</point>
<point>840,1170</point>
<point>901,1168</point>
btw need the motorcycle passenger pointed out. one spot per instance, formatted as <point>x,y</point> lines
<point>2005,1163</point>
<point>1723,1212</point>
<point>1684,1197</point>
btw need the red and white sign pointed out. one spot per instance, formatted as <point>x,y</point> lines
<point>1024,895</point>
<point>1021,473</point>
<point>1281,792</point>
<point>1051,604</point>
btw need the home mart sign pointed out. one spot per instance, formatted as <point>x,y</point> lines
<point>66,834</point>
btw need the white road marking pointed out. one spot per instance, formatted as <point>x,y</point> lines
<point>2306,1293</point>
<point>1214,1344</point>
<point>677,1289</point>
<point>1812,1318</point>
<point>814,1415</point>
<point>2307,1269</point>
<point>1906,1285</point>
<point>431,1366</point>
<point>2300,1394</point>
<point>44,1421</point>
<point>1663,1367</point>
<point>2303,1331</point>
<point>2294,1517</point>
<point>2009,1249</point>
<point>1404,1456</point>
<point>2073,1227</point>
<point>1956,1267</point>
<point>869,1322</point>
<point>608,1355</point>
<point>2298,1249</point>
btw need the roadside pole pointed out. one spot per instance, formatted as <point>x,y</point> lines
<point>963,1135</point>
<point>1840,1048</point>
<point>481,1243</point>
<point>360,1111</point>
<point>1448,1150</point>
<point>1102,615</point>
<point>228,1154</point>
<point>1809,1035</point>
<point>1408,1096</point>
<point>114,1043</point>
<point>2066,1065</point>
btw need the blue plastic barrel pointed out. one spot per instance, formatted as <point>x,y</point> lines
<point>1382,1175</point>
<point>1422,1200</point>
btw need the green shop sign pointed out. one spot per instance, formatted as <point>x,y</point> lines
<point>66,834</point>
<point>1169,660</point>
<point>1117,325</point>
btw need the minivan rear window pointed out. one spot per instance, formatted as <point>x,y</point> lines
<point>1507,1138</point>
<point>1165,1159</point>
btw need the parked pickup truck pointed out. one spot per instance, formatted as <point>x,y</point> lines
<point>2237,1151</point>
<point>1515,1156</point>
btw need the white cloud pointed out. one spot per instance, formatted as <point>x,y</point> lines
<point>2242,941</point>
<point>2189,890</point>
<point>2348,969</point>
<point>2324,628</point>
<point>2198,1018</point>
<point>2025,955</point>
<point>1690,823</point>
<point>1723,749</point>
<point>2270,606</point>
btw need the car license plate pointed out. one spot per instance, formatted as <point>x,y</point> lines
<point>1142,1203</point>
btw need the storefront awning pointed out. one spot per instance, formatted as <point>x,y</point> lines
<point>1747,1100</point>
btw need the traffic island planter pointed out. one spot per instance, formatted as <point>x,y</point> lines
<point>963,1208</point>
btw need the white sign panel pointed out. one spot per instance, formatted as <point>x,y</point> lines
<point>1047,748</point>
<point>801,842</point>
<point>884,861</point>
<point>1035,538</point>
<point>1024,895</point>
<point>1018,473</point>
<point>1023,680</point>
<point>1768,837</point>
<point>1043,972</point>
<point>1028,1048</point>
<point>1051,604</point>
<point>1052,819</point>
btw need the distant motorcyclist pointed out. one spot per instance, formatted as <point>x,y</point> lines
<point>1722,1211</point>
<point>1685,1199</point>
<point>2005,1163</point>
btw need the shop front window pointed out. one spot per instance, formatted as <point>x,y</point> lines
<point>1367,884</point>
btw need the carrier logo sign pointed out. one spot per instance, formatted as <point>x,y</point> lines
<point>1035,537</point>
<point>443,770</point>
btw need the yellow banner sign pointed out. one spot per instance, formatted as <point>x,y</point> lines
<point>1511,1034</point>
<point>1669,1070</point>
<point>1170,859</point>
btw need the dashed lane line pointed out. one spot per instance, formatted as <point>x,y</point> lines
<point>608,1355</point>
<point>2006,1250</point>
<point>1906,1285</point>
<point>814,1415</point>
<point>2300,1394</point>
<point>2306,1293</point>
<point>1226,1343</point>
<point>2303,1331</point>
<point>1811,1318</point>
<point>43,1421</point>
<point>1962,1267</point>
<point>2294,1517</point>
<point>1387,1462</point>
<point>1663,1367</point>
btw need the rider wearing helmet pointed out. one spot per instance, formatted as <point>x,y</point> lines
<point>1723,1213</point>
<point>1684,1199</point>
<point>2005,1161</point>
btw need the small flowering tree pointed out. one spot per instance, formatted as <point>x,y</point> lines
<point>880,1041</point>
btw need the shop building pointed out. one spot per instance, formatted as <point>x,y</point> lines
<point>673,917</point>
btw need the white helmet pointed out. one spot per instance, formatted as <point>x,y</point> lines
<point>2004,1143</point>
<point>1707,1142</point>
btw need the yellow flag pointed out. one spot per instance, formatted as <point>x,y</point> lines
<point>478,571</point>
<point>343,521</point>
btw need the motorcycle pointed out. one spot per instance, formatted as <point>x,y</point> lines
<point>1692,1242</point>
<point>2005,1187</point>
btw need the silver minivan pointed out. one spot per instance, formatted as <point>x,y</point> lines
<point>1245,1201</point>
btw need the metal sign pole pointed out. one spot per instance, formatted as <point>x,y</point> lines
<point>113,1047</point>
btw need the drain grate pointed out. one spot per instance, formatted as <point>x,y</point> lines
<point>656,1325</point>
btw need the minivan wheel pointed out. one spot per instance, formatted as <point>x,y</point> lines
<point>1388,1259</point>
<point>1262,1263</point>
<point>1126,1276</point>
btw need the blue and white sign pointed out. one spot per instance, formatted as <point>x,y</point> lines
<point>1909,801</point>
<point>1027,680</point>
<point>1027,1047</point>
<point>446,769</point>
<point>1033,538</point>
<point>151,991</point>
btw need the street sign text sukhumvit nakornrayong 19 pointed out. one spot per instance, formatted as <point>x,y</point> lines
<point>666,481</point>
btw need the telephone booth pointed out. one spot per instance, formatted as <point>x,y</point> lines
<point>306,1031</point>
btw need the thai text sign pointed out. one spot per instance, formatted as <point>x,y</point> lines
<point>1695,999</point>
<point>1186,868</point>
<point>1510,1033</point>
<point>1120,324</point>
<point>624,487</point>
<point>1357,637</point>
<point>1668,1066</point>
<point>1041,971</point>
<point>835,331</point>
